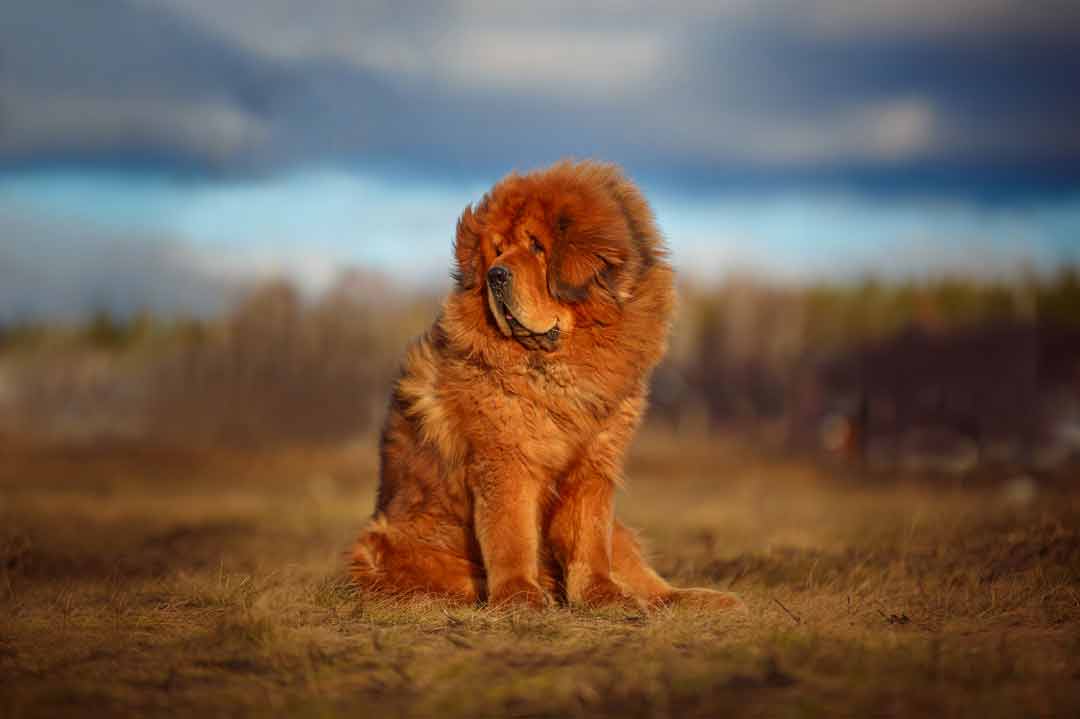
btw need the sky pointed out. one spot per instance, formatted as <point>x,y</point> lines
<point>155,153</point>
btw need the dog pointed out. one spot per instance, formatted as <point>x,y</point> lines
<point>507,427</point>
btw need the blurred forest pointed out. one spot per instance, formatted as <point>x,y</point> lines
<point>943,374</point>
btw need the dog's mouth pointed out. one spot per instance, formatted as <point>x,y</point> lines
<point>511,326</point>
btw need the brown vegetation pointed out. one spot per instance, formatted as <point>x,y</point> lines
<point>777,363</point>
<point>176,498</point>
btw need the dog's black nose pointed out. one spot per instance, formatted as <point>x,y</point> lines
<point>498,276</point>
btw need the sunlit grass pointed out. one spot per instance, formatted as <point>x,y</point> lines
<point>136,582</point>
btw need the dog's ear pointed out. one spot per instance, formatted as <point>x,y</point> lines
<point>468,250</point>
<point>587,252</point>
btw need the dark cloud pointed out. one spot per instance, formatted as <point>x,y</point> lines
<point>113,78</point>
<point>955,93</point>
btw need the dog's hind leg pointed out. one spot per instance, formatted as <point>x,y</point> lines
<point>631,570</point>
<point>386,560</point>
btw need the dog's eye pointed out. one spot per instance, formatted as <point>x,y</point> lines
<point>536,246</point>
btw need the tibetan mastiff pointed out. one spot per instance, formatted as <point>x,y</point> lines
<point>508,425</point>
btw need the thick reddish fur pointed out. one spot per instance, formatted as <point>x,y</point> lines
<point>500,454</point>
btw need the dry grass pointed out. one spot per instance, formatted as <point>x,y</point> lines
<point>137,581</point>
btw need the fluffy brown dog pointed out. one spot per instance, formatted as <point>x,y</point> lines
<point>507,428</point>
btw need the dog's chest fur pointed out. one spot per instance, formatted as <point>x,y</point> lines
<point>538,412</point>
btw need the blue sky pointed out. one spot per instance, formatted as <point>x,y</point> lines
<point>154,152</point>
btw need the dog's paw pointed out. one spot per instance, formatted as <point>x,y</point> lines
<point>605,592</point>
<point>519,592</point>
<point>703,599</point>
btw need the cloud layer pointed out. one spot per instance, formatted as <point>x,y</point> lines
<point>952,92</point>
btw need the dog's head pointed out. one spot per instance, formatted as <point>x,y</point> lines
<point>555,250</point>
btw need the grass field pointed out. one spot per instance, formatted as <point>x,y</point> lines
<point>137,581</point>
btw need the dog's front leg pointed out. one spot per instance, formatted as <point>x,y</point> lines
<point>506,518</point>
<point>580,535</point>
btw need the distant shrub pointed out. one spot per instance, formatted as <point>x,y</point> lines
<point>745,354</point>
<point>279,368</point>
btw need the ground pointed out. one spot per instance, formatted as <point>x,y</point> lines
<point>139,581</point>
